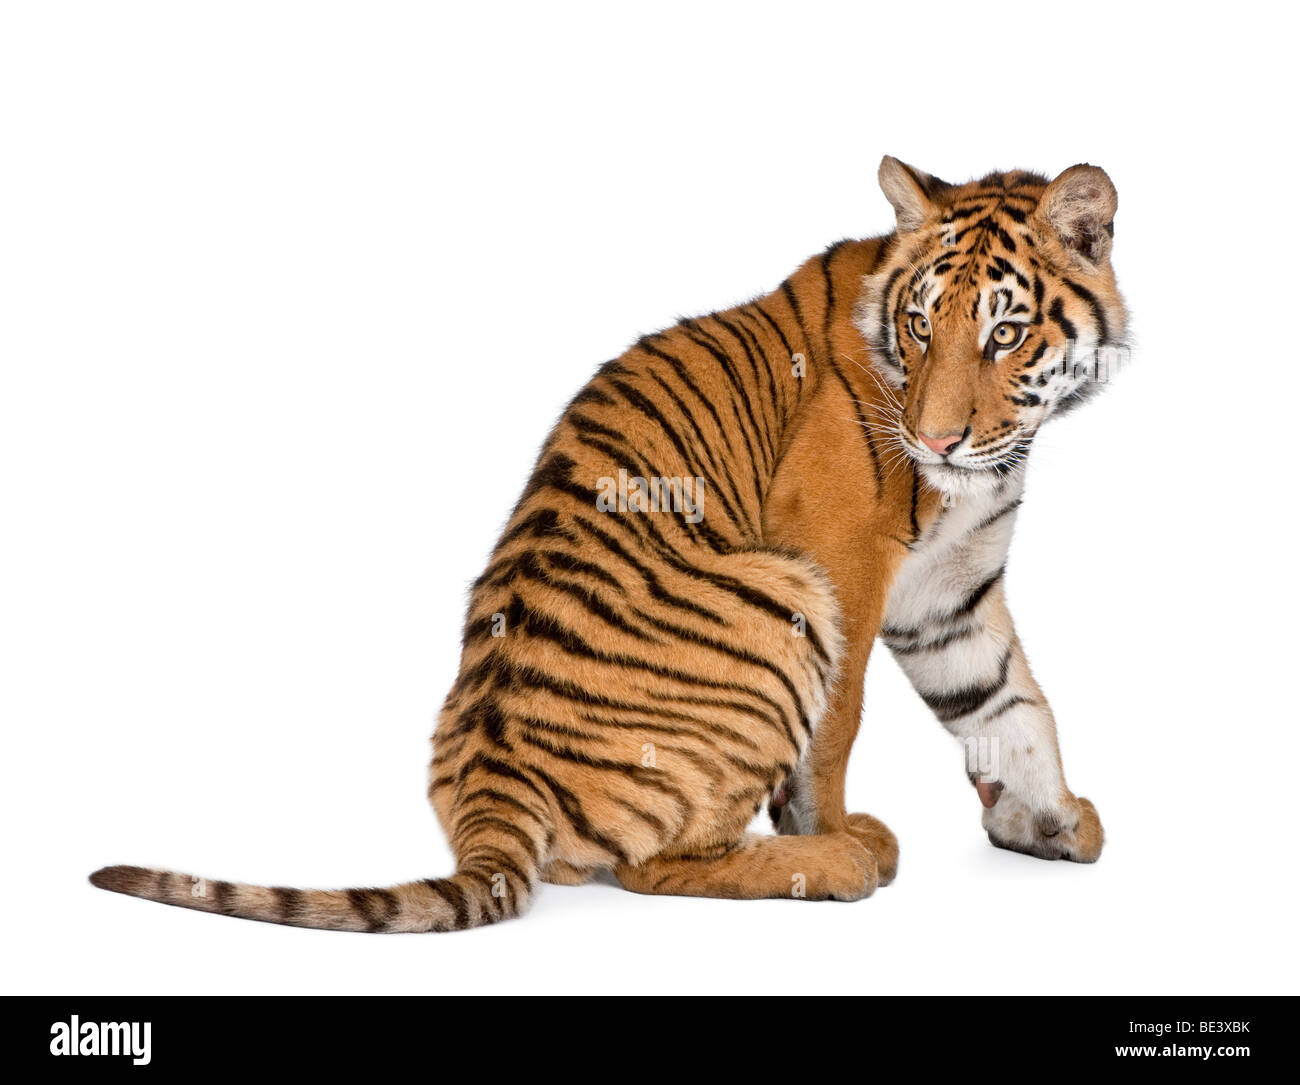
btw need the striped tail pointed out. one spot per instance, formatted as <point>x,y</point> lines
<point>494,880</point>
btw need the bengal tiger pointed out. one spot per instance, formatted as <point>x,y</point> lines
<point>674,627</point>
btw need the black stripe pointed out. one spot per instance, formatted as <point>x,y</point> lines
<point>499,858</point>
<point>554,472</point>
<point>375,906</point>
<point>736,513</point>
<point>759,371</point>
<point>994,517</point>
<point>727,583</point>
<point>679,367</point>
<point>700,532</point>
<point>503,798</point>
<point>862,421</point>
<point>1057,312</point>
<point>522,677</point>
<point>652,581</point>
<point>650,409</point>
<point>289,902</point>
<point>572,809</point>
<point>730,650</point>
<point>547,627</point>
<point>589,394</point>
<point>826,259</point>
<point>973,600</point>
<point>476,821</point>
<point>584,424</point>
<point>757,306</point>
<point>712,726</point>
<point>953,704</point>
<point>1007,706</point>
<point>590,600</point>
<point>1088,296</point>
<point>788,291</point>
<point>639,774</point>
<point>543,523</point>
<point>966,606</point>
<point>703,733</point>
<point>934,645</point>
<point>889,287</point>
<point>653,820</point>
<point>741,393</point>
<point>570,563</point>
<point>498,903</point>
<point>743,320</point>
<point>454,897</point>
<point>499,768</point>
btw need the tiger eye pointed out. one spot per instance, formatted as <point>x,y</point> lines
<point>919,327</point>
<point>1007,334</point>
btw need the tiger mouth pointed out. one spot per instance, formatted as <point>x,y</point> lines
<point>987,475</point>
<point>997,466</point>
<point>998,458</point>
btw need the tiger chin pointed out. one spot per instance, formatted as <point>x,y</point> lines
<point>641,674</point>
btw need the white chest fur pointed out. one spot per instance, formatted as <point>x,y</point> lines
<point>960,551</point>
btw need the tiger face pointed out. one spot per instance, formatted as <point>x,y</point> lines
<point>994,308</point>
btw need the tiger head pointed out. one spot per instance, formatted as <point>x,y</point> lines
<point>993,307</point>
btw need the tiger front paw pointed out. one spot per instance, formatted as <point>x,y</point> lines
<point>794,818</point>
<point>1069,830</point>
<point>878,839</point>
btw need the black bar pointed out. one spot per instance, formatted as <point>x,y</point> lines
<point>982,1035</point>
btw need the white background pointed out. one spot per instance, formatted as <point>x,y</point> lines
<point>291,294</point>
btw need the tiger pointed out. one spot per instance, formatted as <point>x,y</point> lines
<point>673,630</point>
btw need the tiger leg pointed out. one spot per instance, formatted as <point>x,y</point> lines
<point>977,681</point>
<point>831,867</point>
<point>860,548</point>
<point>812,799</point>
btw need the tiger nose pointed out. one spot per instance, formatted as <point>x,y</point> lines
<point>942,445</point>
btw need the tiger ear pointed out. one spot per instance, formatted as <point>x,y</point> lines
<point>1079,207</point>
<point>910,191</point>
